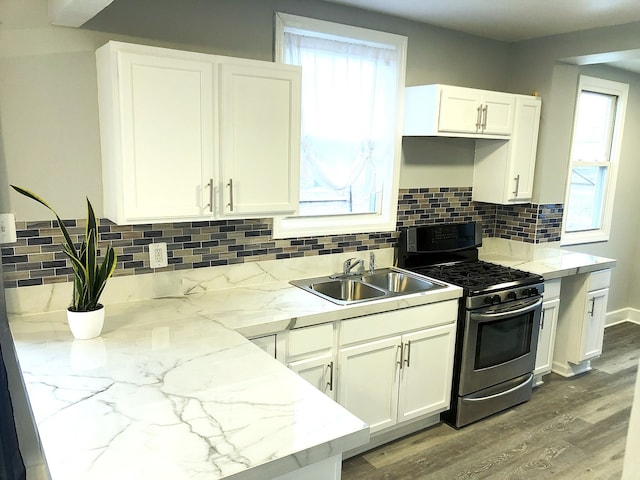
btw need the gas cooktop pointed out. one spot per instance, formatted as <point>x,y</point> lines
<point>478,277</point>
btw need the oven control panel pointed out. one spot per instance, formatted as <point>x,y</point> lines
<point>505,296</point>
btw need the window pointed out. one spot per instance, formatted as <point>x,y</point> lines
<point>595,151</point>
<point>352,98</point>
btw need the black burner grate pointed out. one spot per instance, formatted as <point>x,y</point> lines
<point>476,276</point>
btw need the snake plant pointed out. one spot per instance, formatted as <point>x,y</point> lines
<point>90,276</point>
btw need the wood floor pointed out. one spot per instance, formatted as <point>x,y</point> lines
<point>571,429</point>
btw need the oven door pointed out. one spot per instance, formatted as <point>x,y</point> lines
<point>499,344</point>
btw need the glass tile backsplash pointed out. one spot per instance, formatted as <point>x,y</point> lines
<point>37,258</point>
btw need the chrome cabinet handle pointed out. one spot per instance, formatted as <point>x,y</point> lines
<point>330,384</point>
<point>408,359</point>
<point>401,347</point>
<point>542,320</point>
<point>517,179</point>
<point>593,306</point>
<point>230,185</point>
<point>210,185</point>
<point>485,111</point>
<point>479,118</point>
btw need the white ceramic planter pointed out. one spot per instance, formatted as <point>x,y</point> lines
<point>86,325</point>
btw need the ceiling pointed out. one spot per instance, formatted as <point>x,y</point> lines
<point>509,20</point>
<point>517,20</point>
<point>505,20</point>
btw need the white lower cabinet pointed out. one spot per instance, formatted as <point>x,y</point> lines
<point>390,380</point>
<point>318,371</point>
<point>547,333</point>
<point>425,376</point>
<point>310,353</point>
<point>266,343</point>
<point>582,315</point>
<point>368,381</point>
<point>593,331</point>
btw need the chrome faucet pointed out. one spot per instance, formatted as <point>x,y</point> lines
<point>350,264</point>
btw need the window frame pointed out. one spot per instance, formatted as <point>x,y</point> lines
<point>621,91</point>
<point>384,220</point>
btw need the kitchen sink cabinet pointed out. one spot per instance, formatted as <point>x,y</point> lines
<point>389,379</point>
<point>504,169</point>
<point>189,136</point>
<point>443,110</point>
<point>582,315</point>
<point>547,334</point>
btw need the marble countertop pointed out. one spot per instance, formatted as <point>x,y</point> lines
<point>550,262</point>
<point>173,390</point>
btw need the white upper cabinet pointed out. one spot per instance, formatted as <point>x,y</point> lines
<point>504,169</point>
<point>156,126</point>
<point>181,130</point>
<point>259,137</point>
<point>443,110</point>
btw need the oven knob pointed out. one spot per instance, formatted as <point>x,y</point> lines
<point>511,296</point>
<point>495,299</point>
<point>533,291</point>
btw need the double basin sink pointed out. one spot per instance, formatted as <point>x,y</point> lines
<point>356,288</point>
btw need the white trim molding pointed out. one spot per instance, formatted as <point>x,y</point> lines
<point>628,314</point>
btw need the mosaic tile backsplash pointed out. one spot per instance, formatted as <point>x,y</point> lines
<point>37,258</point>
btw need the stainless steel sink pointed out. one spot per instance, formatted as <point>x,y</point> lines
<point>387,282</point>
<point>347,290</point>
<point>398,282</point>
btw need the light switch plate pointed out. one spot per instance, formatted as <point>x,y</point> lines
<point>7,228</point>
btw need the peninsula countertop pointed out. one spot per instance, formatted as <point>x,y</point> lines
<point>172,390</point>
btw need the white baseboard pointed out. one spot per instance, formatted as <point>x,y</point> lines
<point>623,315</point>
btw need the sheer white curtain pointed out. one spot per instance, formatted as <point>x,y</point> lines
<point>349,102</point>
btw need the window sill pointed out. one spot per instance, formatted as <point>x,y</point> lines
<point>568,239</point>
<point>291,227</point>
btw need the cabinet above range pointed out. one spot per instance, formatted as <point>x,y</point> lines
<point>505,127</point>
<point>190,136</point>
<point>443,110</point>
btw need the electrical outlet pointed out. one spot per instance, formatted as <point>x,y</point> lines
<point>158,255</point>
<point>7,228</point>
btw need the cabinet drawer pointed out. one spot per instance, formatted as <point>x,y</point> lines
<point>551,289</point>
<point>598,280</point>
<point>397,321</point>
<point>306,340</point>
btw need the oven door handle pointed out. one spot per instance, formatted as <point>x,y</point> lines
<point>507,313</point>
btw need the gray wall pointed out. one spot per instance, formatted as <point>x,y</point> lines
<point>536,66</point>
<point>49,139</point>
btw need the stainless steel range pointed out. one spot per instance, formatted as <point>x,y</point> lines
<point>498,319</point>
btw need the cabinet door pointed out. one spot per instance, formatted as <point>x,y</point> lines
<point>318,371</point>
<point>259,138</point>
<point>368,381</point>
<point>460,110</point>
<point>266,343</point>
<point>593,328</point>
<point>523,149</point>
<point>546,337</point>
<point>166,137</point>
<point>427,369</point>
<point>497,113</point>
